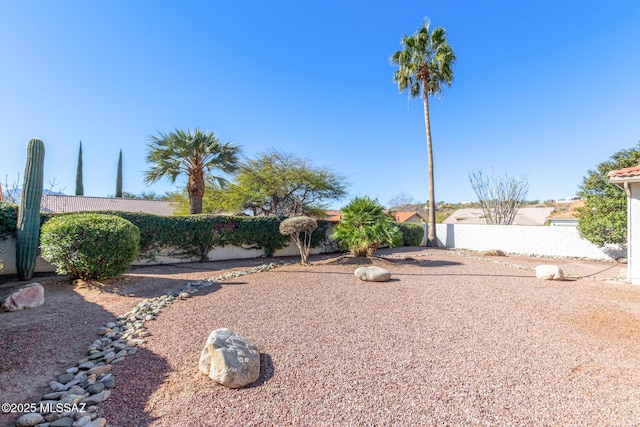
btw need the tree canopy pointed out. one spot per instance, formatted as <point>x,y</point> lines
<point>603,219</point>
<point>276,183</point>
<point>194,154</point>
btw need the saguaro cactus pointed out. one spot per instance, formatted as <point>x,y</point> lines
<point>28,229</point>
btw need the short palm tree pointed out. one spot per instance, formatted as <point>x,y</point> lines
<point>194,154</point>
<point>425,63</point>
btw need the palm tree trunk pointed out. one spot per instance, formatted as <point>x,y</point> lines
<point>195,188</point>
<point>432,240</point>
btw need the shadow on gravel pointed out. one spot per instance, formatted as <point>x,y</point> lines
<point>126,406</point>
<point>266,371</point>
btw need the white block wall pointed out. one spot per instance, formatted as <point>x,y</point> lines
<point>519,239</point>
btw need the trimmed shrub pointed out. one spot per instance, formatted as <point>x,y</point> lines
<point>412,234</point>
<point>300,229</point>
<point>90,246</point>
<point>364,227</point>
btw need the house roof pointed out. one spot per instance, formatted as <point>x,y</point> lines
<point>524,216</point>
<point>405,216</point>
<point>333,215</point>
<point>62,203</point>
<point>631,172</point>
<point>571,213</point>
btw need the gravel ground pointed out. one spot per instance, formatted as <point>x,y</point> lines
<point>449,341</point>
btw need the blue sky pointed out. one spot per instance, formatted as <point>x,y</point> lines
<point>543,88</point>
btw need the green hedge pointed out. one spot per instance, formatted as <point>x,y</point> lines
<point>412,234</point>
<point>196,235</point>
<point>191,236</point>
<point>8,219</point>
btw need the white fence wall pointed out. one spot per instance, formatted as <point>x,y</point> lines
<point>519,239</point>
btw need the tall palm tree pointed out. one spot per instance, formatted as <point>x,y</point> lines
<point>425,63</point>
<point>194,154</point>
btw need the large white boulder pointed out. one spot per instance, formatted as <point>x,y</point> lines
<point>230,359</point>
<point>549,272</point>
<point>372,274</point>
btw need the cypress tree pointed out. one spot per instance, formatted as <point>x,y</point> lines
<point>119,177</point>
<point>79,186</point>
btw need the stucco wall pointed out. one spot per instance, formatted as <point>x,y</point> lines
<point>520,239</point>
<point>633,232</point>
<point>8,251</point>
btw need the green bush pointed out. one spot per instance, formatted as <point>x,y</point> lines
<point>8,219</point>
<point>364,227</point>
<point>90,246</point>
<point>412,234</point>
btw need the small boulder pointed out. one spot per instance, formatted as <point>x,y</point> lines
<point>372,274</point>
<point>29,296</point>
<point>230,359</point>
<point>549,272</point>
<point>30,420</point>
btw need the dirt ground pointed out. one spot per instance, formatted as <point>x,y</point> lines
<point>40,343</point>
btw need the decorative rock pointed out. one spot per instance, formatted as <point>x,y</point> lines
<point>230,359</point>
<point>74,370</point>
<point>65,378</point>
<point>97,398</point>
<point>30,296</point>
<point>96,388</point>
<point>98,422</point>
<point>549,272</point>
<point>29,420</point>
<point>76,389</point>
<point>83,421</point>
<point>56,386</point>
<point>52,396</point>
<point>62,422</point>
<point>372,274</point>
<point>86,365</point>
<point>96,370</point>
<point>110,383</point>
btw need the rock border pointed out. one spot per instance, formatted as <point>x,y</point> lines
<point>75,395</point>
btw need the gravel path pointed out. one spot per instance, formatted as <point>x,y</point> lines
<point>450,341</point>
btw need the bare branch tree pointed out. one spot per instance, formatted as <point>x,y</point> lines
<point>12,191</point>
<point>499,196</point>
<point>401,199</point>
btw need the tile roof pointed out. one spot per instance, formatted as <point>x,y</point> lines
<point>404,216</point>
<point>571,213</point>
<point>524,216</point>
<point>61,203</point>
<point>625,173</point>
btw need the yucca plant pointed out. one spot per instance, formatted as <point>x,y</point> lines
<point>365,226</point>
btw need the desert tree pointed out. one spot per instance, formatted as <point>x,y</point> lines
<point>196,154</point>
<point>275,183</point>
<point>499,196</point>
<point>425,65</point>
<point>401,199</point>
<point>300,229</point>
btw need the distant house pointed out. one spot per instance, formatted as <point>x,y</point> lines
<point>568,218</point>
<point>524,216</point>
<point>62,203</point>
<point>629,180</point>
<point>332,215</point>
<point>412,217</point>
